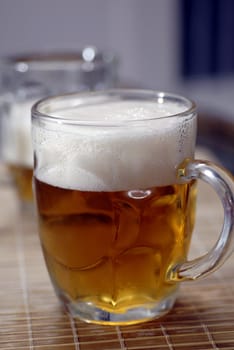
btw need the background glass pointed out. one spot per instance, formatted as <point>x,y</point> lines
<point>115,184</point>
<point>26,79</point>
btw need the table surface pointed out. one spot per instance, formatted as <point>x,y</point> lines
<point>31,318</point>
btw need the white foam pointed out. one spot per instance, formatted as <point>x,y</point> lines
<point>140,155</point>
<point>121,111</point>
<point>17,141</point>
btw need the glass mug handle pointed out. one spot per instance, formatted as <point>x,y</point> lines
<point>223,184</point>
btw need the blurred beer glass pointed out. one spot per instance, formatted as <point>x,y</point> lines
<point>28,78</point>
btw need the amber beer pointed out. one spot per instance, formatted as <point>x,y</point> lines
<point>22,177</point>
<point>115,185</point>
<point>115,249</point>
<point>115,221</point>
<point>17,147</point>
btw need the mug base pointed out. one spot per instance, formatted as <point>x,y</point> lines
<point>89,313</point>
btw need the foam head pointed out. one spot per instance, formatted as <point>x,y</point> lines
<point>16,134</point>
<point>123,145</point>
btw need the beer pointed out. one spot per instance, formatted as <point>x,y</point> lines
<point>115,249</point>
<point>114,219</point>
<point>23,180</point>
<point>17,146</point>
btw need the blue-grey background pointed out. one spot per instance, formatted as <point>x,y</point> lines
<point>146,34</point>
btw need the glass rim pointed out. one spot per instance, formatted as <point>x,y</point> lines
<point>78,97</point>
<point>86,58</point>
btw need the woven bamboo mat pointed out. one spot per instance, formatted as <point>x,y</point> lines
<point>30,316</point>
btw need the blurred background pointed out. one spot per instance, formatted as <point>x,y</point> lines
<point>181,46</point>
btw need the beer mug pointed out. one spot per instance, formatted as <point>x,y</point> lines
<point>26,79</point>
<point>115,186</point>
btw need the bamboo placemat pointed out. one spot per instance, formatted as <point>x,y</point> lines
<point>31,318</point>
